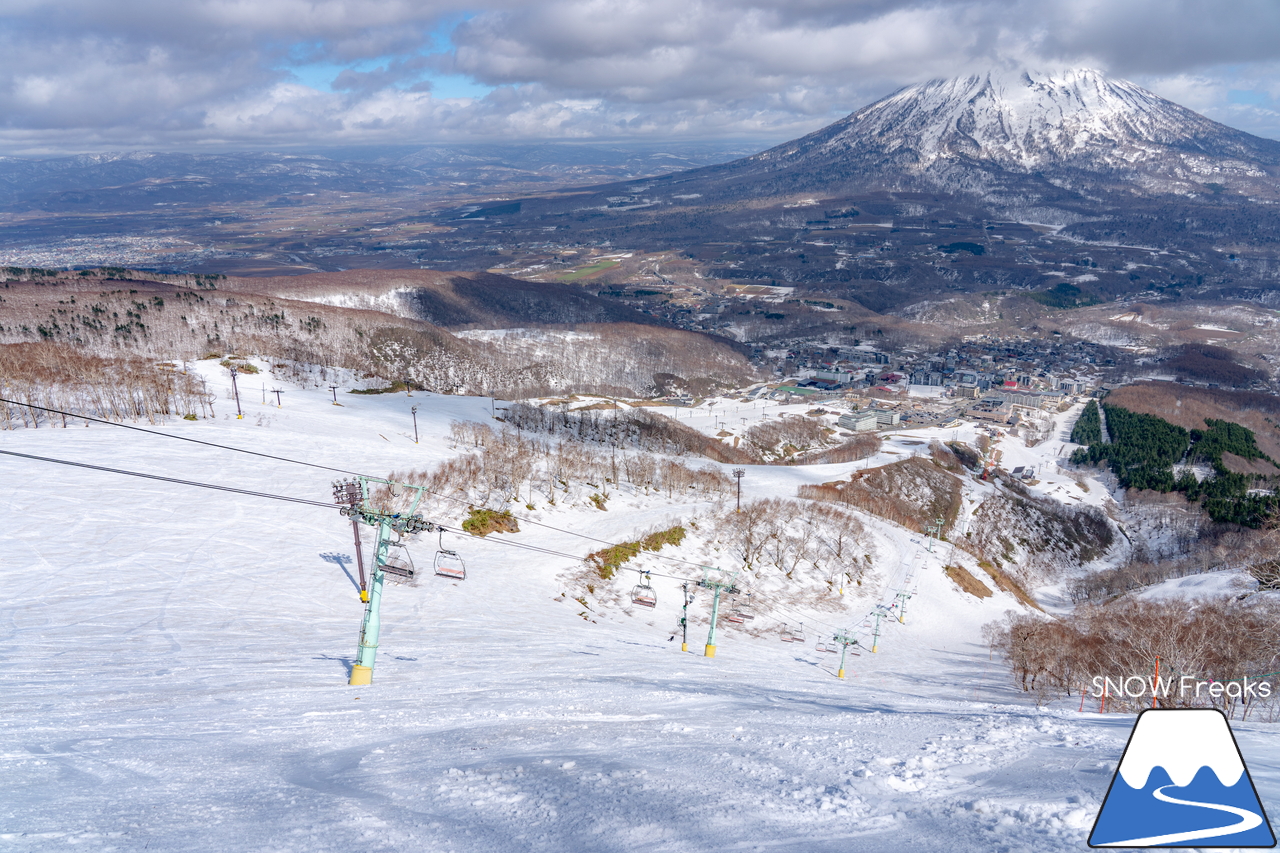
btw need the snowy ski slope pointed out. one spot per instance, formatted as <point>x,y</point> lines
<point>175,663</point>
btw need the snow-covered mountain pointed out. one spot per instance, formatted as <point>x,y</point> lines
<point>1032,121</point>
<point>1069,128</point>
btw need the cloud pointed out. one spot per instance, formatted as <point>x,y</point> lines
<point>87,75</point>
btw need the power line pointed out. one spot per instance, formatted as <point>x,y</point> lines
<point>249,492</point>
<point>252,493</point>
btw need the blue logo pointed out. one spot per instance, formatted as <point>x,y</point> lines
<point>1182,783</point>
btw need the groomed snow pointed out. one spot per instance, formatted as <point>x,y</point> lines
<point>176,662</point>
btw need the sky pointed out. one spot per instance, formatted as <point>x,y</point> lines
<point>89,76</point>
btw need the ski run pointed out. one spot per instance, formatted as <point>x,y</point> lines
<point>176,662</point>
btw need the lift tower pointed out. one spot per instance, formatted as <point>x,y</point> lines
<point>388,524</point>
<point>716,587</point>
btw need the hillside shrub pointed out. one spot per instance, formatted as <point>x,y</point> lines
<point>482,522</point>
<point>607,561</point>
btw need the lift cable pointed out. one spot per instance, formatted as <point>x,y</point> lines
<point>770,603</point>
<point>524,519</point>
<point>323,468</point>
<point>178,437</point>
<point>249,492</point>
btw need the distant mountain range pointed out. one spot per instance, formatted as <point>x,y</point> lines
<point>1069,182</point>
<point>1081,157</point>
<point>138,179</point>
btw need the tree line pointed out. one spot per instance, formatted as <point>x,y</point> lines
<point>1088,428</point>
<point>1208,641</point>
<point>115,389</point>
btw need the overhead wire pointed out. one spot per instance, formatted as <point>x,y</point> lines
<point>253,493</point>
<point>160,478</point>
<point>178,437</point>
<point>316,465</point>
<point>666,557</point>
<point>772,603</point>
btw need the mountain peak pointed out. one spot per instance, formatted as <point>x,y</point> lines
<point>1026,120</point>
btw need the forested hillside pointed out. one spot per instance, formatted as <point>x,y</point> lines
<point>1144,450</point>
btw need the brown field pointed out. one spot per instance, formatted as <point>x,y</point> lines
<point>962,578</point>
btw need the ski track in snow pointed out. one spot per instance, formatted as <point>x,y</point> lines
<point>176,663</point>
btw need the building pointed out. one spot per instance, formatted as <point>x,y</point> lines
<point>887,418</point>
<point>834,376</point>
<point>990,416</point>
<point>864,420</point>
<point>1032,399</point>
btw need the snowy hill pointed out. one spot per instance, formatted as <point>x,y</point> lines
<point>176,662</point>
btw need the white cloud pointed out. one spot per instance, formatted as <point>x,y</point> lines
<point>82,74</point>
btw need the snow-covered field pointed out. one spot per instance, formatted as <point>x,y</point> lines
<point>176,659</point>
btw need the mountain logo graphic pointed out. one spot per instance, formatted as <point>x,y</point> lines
<point>1182,783</point>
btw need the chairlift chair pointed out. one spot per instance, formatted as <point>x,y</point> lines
<point>734,615</point>
<point>642,594</point>
<point>448,564</point>
<point>827,647</point>
<point>397,569</point>
<point>790,636</point>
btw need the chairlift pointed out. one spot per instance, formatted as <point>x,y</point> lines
<point>643,594</point>
<point>827,647</point>
<point>790,636</point>
<point>448,564</point>
<point>734,615</point>
<point>741,612</point>
<point>397,569</point>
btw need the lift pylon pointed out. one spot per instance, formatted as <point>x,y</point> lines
<point>845,639</point>
<point>902,597</point>
<point>934,531</point>
<point>684,616</point>
<point>875,632</point>
<point>716,587</point>
<point>388,524</point>
<point>350,493</point>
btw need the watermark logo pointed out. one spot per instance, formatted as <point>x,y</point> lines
<point>1182,782</point>
<point>1185,688</point>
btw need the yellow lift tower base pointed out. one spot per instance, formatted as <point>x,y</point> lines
<point>361,675</point>
<point>711,651</point>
